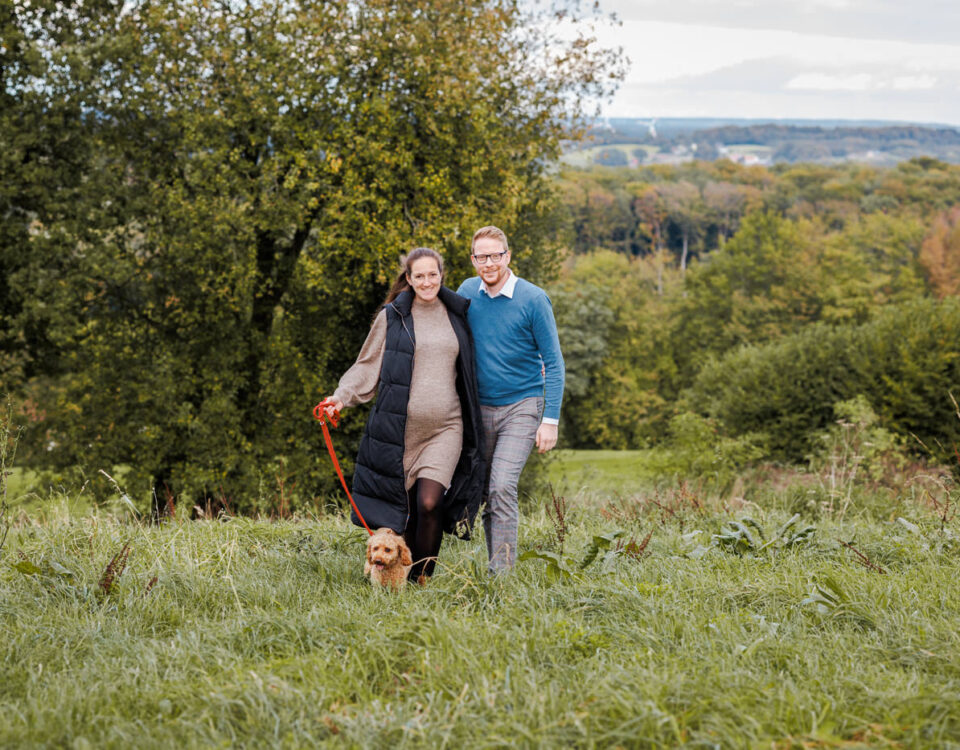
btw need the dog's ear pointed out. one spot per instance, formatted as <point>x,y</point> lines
<point>369,545</point>
<point>405,558</point>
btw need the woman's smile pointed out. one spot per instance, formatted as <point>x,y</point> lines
<point>425,278</point>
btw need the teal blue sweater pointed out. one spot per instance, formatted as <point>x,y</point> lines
<point>513,337</point>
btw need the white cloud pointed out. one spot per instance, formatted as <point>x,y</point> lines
<point>907,83</point>
<point>924,21</point>
<point>780,71</point>
<point>661,51</point>
<point>827,82</point>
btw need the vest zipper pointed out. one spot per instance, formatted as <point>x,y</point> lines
<point>406,493</point>
<point>403,323</point>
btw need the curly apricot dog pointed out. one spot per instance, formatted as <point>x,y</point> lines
<point>388,559</point>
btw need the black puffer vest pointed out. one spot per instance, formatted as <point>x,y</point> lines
<point>378,481</point>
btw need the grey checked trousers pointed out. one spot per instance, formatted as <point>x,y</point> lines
<point>510,433</point>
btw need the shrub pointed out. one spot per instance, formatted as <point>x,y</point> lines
<point>697,449</point>
<point>854,450</point>
<point>905,363</point>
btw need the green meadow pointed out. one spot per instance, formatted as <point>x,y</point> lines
<point>573,471</point>
<point>586,157</point>
<point>637,618</point>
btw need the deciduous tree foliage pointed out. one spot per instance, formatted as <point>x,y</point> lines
<point>940,254</point>
<point>45,64</point>
<point>252,173</point>
<point>761,285</point>
<point>684,204</point>
<point>614,328</point>
<point>816,250</point>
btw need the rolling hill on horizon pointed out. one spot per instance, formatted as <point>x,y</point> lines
<point>635,141</point>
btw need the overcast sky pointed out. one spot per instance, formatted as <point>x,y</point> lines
<point>833,59</point>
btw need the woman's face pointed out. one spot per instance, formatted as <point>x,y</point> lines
<point>424,277</point>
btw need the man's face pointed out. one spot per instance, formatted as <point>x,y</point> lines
<point>485,251</point>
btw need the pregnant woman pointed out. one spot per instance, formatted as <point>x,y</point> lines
<point>420,466</point>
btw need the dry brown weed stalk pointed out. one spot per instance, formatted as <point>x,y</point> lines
<point>113,571</point>
<point>150,584</point>
<point>862,558</point>
<point>633,549</point>
<point>557,513</point>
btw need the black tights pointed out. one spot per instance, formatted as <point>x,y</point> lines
<point>425,529</point>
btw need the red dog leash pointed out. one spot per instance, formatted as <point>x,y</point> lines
<point>321,416</point>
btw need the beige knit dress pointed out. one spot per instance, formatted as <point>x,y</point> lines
<point>434,431</point>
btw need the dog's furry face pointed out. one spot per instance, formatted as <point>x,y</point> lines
<point>388,559</point>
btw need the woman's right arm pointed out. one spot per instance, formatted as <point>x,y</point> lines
<point>359,384</point>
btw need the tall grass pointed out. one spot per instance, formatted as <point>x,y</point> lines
<point>264,634</point>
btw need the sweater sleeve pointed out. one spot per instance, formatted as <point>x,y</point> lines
<point>548,343</point>
<point>359,384</point>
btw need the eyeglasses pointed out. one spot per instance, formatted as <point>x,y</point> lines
<point>482,260</point>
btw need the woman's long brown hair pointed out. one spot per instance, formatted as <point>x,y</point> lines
<point>401,284</point>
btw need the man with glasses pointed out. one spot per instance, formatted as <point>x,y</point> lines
<point>520,377</point>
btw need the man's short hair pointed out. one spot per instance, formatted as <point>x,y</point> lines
<point>493,232</point>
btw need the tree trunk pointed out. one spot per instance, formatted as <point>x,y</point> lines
<point>659,246</point>
<point>162,505</point>
<point>660,272</point>
<point>275,266</point>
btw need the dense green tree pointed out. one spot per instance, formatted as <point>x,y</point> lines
<point>614,331</point>
<point>729,202</point>
<point>831,245</point>
<point>832,196</point>
<point>598,211</point>
<point>47,51</point>
<point>651,211</point>
<point>871,263</point>
<point>777,275</point>
<point>259,169</point>
<point>685,206</point>
<point>762,284</point>
<point>924,184</point>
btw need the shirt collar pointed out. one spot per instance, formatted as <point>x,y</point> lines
<point>506,290</point>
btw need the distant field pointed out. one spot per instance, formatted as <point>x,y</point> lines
<point>600,471</point>
<point>18,484</point>
<point>586,157</point>
<point>750,148</point>
<point>26,495</point>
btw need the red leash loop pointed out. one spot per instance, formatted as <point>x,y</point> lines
<point>321,416</point>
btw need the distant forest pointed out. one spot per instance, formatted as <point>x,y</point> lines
<point>752,307</point>
<point>779,142</point>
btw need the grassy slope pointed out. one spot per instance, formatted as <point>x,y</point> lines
<point>265,634</point>
<point>624,472</point>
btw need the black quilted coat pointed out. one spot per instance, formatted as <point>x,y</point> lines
<point>378,483</point>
